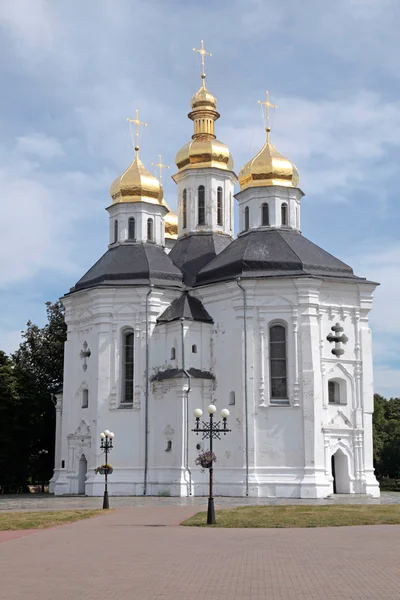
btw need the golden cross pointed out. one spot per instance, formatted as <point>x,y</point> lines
<point>202,53</point>
<point>267,105</point>
<point>137,123</point>
<point>161,166</point>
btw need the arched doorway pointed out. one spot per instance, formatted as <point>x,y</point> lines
<point>340,473</point>
<point>82,474</point>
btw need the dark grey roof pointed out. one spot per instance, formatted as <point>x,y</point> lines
<point>273,253</point>
<point>142,263</point>
<point>179,374</point>
<point>188,307</point>
<point>191,253</point>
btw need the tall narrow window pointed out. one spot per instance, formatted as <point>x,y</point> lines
<point>219,207</point>
<point>246,218</point>
<point>173,354</point>
<point>184,209</point>
<point>201,207</point>
<point>131,229</point>
<point>115,231</point>
<point>265,214</point>
<point>127,368</point>
<point>277,352</point>
<point>284,214</point>
<point>85,398</point>
<point>150,234</point>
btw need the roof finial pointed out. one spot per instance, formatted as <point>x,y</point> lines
<point>137,123</point>
<point>202,52</point>
<point>160,166</point>
<point>267,105</point>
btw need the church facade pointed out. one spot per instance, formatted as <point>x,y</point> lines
<point>179,314</point>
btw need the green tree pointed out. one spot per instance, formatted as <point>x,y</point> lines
<point>39,372</point>
<point>14,431</point>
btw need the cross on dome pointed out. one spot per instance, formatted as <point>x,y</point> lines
<point>267,105</point>
<point>137,123</point>
<point>202,53</point>
<point>160,166</point>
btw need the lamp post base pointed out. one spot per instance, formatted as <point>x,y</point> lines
<point>211,512</point>
<point>105,501</point>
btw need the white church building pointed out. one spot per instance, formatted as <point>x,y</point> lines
<point>178,314</point>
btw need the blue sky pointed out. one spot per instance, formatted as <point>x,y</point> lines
<point>73,71</point>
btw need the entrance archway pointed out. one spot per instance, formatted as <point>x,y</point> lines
<point>82,474</point>
<point>340,473</point>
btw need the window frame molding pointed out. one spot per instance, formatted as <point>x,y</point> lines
<point>130,221</point>
<point>184,209</point>
<point>220,206</point>
<point>265,205</point>
<point>150,221</point>
<point>285,207</point>
<point>125,331</point>
<point>286,400</point>
<point>246,223</point>
<point>203,190</point>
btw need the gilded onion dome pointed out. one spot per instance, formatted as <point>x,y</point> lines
<point>204,150</point>
<point>136,184</point>
<point>171,225</point>
<point>268,167</point>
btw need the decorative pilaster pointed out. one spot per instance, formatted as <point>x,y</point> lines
<point>262,363</point>
<point>296,386</point>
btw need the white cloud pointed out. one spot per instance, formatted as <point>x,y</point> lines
<point>39,145</point>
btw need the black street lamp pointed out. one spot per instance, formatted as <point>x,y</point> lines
<point>211,430</point>
<point>106,445</point>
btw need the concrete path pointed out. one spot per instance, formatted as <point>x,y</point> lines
<point>49,502</point>
<point>140,553</point>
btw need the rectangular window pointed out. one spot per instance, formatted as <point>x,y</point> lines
<point>277,339</point>
<point>128,369</point>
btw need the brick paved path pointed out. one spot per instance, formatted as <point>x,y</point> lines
<point>139,553</point>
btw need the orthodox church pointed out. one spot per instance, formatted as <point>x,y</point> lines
<point>178,314</point>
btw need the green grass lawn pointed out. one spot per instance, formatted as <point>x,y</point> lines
<point>41,519</point>
<point>302,516</point>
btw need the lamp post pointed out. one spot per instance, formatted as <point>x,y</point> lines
<point>211,430</point>
<point>106,445</point>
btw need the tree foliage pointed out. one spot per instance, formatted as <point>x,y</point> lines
<point>27,384</point>
<point>386,431</point>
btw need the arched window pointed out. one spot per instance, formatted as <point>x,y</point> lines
<point>150,230</point>
<point>232,398</point>
<point>277,353</point>
<point>131,229</point>
<point>115,231</point>
<point>246,218</point>
<point>194,349</point>
<point>127,368</point>
<point>173,354</point>
<point>85,398</point>
<point>219,207</point>
<point>284,214</point>
<point>169,446</point>
<point>201,207</point>
<point>265,214</point>
<point>184,209</point>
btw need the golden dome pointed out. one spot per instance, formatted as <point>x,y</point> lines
<point>203,98</point>
<point>171,223</point>
<point>204,150</point>
<point>171,226</point>
<point>267,168</point>
<point>136,184</point>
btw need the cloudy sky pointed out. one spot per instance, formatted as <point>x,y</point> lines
<point>71,72</point>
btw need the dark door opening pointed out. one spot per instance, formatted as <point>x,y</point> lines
<point>333,473</point>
